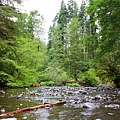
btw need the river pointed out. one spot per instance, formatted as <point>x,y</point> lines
<point>83,103</point>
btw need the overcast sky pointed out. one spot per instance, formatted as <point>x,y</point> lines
<point>47,8</point>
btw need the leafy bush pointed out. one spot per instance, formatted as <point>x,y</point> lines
<point>13,75</point>
<point>43,83</point>
<point>50,83</point>
<point>54,74</point>
<point>20,68</point>
<point>90,77</point>
<point>100,85</point>
<point>73,84</point>
<point>47,83</point>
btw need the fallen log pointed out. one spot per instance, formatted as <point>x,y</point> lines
<point>32,108</point>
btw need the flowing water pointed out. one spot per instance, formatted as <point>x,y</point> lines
<point>83,103</point>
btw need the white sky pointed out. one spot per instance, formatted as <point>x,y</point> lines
<point>47,8</point>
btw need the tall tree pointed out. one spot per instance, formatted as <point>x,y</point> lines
<point>84,21</point>
<point>74,53</point>
<point>83,16</point>
<point>75,10</point>
<point>106,15</point>
<point>70,6</point>
<point>63,15</point>
<point>8,28</point>
<point>57,39</point>
<point>34,24</point>
<point>7,31</point>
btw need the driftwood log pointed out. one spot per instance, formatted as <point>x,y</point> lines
<point>32,108</point>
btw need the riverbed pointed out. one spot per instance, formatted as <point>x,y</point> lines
<point>83,103</point>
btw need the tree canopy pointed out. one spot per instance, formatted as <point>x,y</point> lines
<point>22,53</point>
<point>83,46</point>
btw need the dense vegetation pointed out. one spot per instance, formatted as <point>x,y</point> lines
<point>22,53</point>
<point>83,46</point>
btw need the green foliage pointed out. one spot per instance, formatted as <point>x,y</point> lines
<point>34,24</point>
<point>7,25</point>
<point>87,41</point>
<point>8,66</point>
<point>50,83</point>
<point>90,77</point>
<point>72,9</point>
<point>54,74</point>
<point>73,84</point>
<point>43,84</point>
<point>29,61</point>
<point>47,83</point>
<point>100,85</point>
<point>75,49</point>
<point>22,58</point>
<point>14,75</point>
<point>105,12</point>
<point>63,15</point>
<point>56,49</point>
<point>107,41</point>
<point>82,16</point>
<point>4,77</point>
<point>109,72</point>
<point>74,55</point>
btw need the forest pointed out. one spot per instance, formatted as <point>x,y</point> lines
<point>83,45</point>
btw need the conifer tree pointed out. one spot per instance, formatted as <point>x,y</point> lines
<point>57,33</point>
<point>70,6</point>
<point>107,40</point>
<point>63,15</point>
<point>83,16</point>
<point>74,55</point>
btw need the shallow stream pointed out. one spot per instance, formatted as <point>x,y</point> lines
<point>83,103</point>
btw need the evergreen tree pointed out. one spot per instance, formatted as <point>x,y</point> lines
<point>106,15</point>
<point>7,33</point>
<point>83,16</point>
<point>63,15</point>
<point>74,53</point>
<point>57,33</point>
<point>70,6</point>
<point>75,11</point>
<point>34,24</point>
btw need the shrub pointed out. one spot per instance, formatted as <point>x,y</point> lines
<point>100,85</point>
<point>90,77</point>
<point>50,83</point>
<point>73,84</point>
<point>53,73</point>
<point>43,83</point>
<point>47,83</point>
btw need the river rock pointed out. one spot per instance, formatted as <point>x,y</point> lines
<point>110,114</point>
<point>2,91</point>
<point>89,105</point>
<point>98,97</point>
<point>69,92</point>
<point>83,92</point>
<point>2,110</point>
<point>115,106</point>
